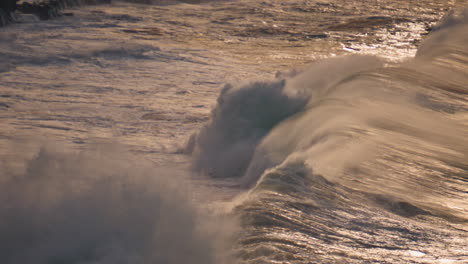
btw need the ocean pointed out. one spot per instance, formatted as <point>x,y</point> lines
<point>235,132</point>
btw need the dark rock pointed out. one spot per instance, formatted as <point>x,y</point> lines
<point>45,9</point>
<point>7,7</point>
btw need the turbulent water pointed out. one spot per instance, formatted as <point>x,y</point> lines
<point>114,148</point>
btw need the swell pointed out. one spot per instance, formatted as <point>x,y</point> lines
<point>391,129</point>
<point>374,159</point>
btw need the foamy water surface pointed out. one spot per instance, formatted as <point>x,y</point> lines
<point>235,132</point>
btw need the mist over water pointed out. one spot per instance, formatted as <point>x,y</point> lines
<point>98,206</point>
<point>244,115</point>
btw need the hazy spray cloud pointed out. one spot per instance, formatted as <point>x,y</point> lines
<point>242,117</point>
<point>90,207</point>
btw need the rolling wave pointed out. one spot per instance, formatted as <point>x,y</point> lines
<point>352,159</point>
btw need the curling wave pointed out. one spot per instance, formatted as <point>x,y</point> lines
<point>350,154</point>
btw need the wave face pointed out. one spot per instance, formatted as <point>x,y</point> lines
<point>351,160</point>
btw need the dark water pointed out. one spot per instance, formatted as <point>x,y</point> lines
<point>351,159</point>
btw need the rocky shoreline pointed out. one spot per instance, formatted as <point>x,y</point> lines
<point>43,10</point>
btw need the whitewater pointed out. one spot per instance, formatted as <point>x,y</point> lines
<point>233,132</point>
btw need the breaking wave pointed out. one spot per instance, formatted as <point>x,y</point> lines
<point>344,153</point>
<point>352,160</point>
